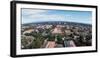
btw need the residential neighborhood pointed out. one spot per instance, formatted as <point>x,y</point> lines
<point>56,34</point>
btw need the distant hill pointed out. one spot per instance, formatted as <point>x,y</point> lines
<point>57,22</point>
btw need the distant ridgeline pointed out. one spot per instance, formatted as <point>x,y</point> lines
<point>56,23</point>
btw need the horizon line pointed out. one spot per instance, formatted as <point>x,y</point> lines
<point>59,21</point>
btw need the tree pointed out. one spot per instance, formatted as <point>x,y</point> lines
<point>59,38</point>
<point>51,38</point>
<point>23,42</point>
<point>26,41</point>
<point>37,43</point>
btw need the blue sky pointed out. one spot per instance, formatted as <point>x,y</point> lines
<point>41,15</point>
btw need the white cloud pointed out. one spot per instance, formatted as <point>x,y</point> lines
<point>45,17</point>
<point>31,11</point>
<point>38,15</point>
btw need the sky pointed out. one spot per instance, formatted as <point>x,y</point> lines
<point>42,15</point>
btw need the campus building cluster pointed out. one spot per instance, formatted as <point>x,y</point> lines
<point>55,35</point>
